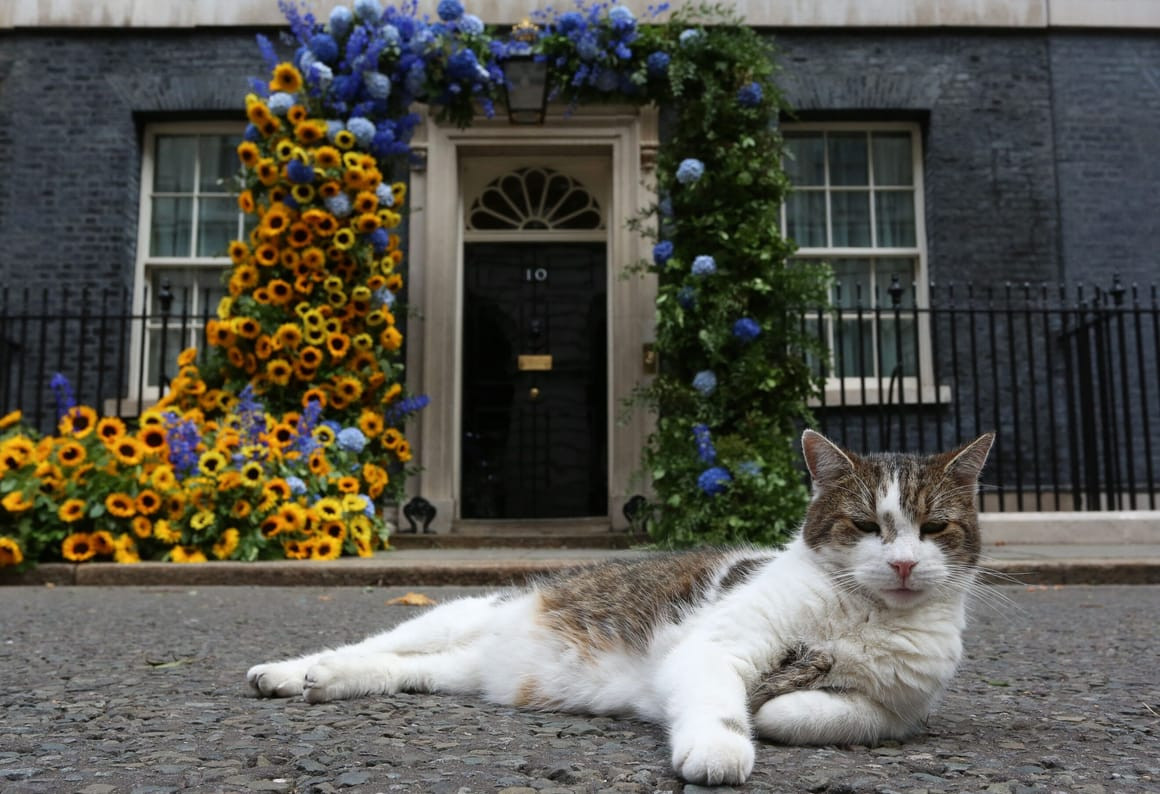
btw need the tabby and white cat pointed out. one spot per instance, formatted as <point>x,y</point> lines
<point>848,635</point>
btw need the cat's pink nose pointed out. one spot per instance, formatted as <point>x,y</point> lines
<point>903,568</point>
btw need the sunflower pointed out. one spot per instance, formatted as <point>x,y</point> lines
<point>335,530</point>
<point>103,543</point>
<point>241,509</point>
<point>175,505</point>
<point>9,419</point>
<point>319,465</point>
<point>10,553</point>
<point>142,527</point>
<point>71,510</point>
<point>280,291</point>
<point>226,544</point>
<point>348,389</point>
<point>125,550</point>
<point>403,451</point>
<point>348,485</point>
<point>279,371</point>
<point>164,532</point>
<point>211,463</point>
<point>392,438</point>
<point>128,450</point>
<point>297,113</point>
<point>310,131</point>
<point>78,421</point>
<point>110,429</point>
<point>286,78</point>
<point>398,192</point>
<point>246,202</point>
<point>344,139</point>
<point>370,423</point>
<point>276,488</point>
<point>186,554</point>
<point>292,516</point>
<point>247,327</point>
<point>220,334</point>
<point>276,221</point>
<point>390,338</point>
<point>363,547</point>
<point>267,171</point>
<point>285,149</point>
<point>202,519</point>
<point>248,154</point>
<point>337,345</point>
<point>70,453</point>
<point>324,548</point>
<point>324,435</point>
<point>78,547</point>
<point>120,505</point>
<point>295,550</point>
<point>328,509</point>
<point>15,502</point>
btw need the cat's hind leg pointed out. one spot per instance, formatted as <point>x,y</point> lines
<point>817,716</point>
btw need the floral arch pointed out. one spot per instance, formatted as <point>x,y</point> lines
<point>297,407</point>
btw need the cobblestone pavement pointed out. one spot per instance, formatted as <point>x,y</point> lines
<point>142,690</point>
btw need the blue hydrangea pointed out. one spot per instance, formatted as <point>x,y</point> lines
<point>750,95</point>
<point>621,19</point>
<point>389,36</point>
<point>714,480</point>
<point>705,382</point>
<point>607,80</point>
<point>338,206</point>
<point>662,252</point>
<point>333,128</point>
<point>470,24</point>
<point>416,77</point>
<point>252,133</point>
<point>378,84</point>
<point>369,10</point>
<point>362,129</point>
<point>687,297</point>
<point>705,449</point>
<point>324,47</point>
<point>658,64</point>
<point>299,172</point>
<point>351,439</point>
<point>384,297</point>
<point>449,10</point>
<point>385,194</point>
<point>322,73</point>
<point>280,103</point>
<point>588,48</point>
<point>341,21</point>
<point>570,22</point>
<point>690,170</point>
<point>297,486</point>
<point>704,265</point>
<point>62,392</point>
<point>691,37</point>
<point>380,240</point>
<point>746,329</point>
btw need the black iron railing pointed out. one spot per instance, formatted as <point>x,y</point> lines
<point>1069,377</point>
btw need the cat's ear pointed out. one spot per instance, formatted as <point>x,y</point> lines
<point>966,462</point>
<point>825,459</point>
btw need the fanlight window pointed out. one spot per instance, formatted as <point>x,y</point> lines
<point>530,199</point>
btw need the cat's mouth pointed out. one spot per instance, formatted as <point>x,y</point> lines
<point>902,593</point>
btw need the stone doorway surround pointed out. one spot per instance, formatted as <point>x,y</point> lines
<point>626,137</point>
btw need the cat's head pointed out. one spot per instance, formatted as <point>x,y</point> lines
<point>898,527</point>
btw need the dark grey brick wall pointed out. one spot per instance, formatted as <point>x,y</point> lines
<point>71,107</point>
<point>985,105</point>
<point>1107,116</point>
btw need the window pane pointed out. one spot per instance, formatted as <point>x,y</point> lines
<point>892,159</point>
<point>195,290</point>
<point>805,218</point>
<point>852,282</point>
<point>173,168</point>
<point>218,224</point>
<point>219,162</point>
<point>169,234</point>
<point>898,340</point>
<point>848,160</point>
<point>805,158</point>
<point>854,347</point>
<point>894,213</point>
<point>851,218</point>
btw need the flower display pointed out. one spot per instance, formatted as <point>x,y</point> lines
<point>750,95</point>
<point>714,480</point>
<point>704,265</point>
<point>705,382</point>
<point>690,170</point>
<point>746,329</point>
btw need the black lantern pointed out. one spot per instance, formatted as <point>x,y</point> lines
<point>526,79</point>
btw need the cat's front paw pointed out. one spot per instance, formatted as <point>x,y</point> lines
<point>722,756</point>
<point>277,679</point>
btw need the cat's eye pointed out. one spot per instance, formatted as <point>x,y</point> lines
<point>932,527</point>
<point>868,526</point>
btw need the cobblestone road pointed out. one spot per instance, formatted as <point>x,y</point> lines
<point>142,690</point>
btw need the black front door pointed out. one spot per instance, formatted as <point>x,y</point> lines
<point>535,429</point>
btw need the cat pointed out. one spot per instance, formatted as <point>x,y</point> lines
<point>848,635</point>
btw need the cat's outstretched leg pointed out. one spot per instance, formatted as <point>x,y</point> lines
<point>343,674</point>
<point>445,627</point>
<point>818,716</point>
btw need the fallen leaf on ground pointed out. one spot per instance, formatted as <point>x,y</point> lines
<point>411,600</point>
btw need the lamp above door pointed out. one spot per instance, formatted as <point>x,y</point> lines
<point>525,77</point>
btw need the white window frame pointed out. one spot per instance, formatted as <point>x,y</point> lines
<point>872,389</point>
<point>141,393</point>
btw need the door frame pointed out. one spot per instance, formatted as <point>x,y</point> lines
<point>626,138</point>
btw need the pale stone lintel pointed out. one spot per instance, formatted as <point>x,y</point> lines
<point>761,13</point>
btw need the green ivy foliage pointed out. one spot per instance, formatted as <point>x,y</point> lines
<point>731,213</point>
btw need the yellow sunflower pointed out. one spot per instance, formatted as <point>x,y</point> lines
<point>142,527</point>
<point>78,421</point>
<point>227,544</point>
<point>110,428</point>
<point>324,548</point>
<point>120,505</point>
<point>9,419</point>
<point>78,547</point>
<point>125,550</point>
<point>10,553</point>
<point>103,543</point>
<point>15,502</point>
<point>187,554</point>
<point>71,510</point>
<point>70,453</point>
<point>211,463</point>
<point>286,78</point>
<point>328,509</point>
<point>164,532</point>
<point>202,519</point>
